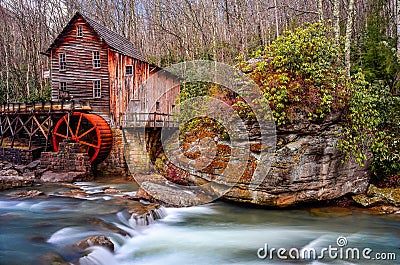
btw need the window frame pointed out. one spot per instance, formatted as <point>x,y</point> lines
<point>62,89</point>
<point>95,95</point>
<point>61,86</point>
<point>96,60</point>
<point>126,68</point>
<point>62,61</point>
<point>79,31</point>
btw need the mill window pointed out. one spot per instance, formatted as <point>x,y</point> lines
<point>96,59</point>
<point>62,62</point>
<point>63,93</point>
<point>79,31</point>
<point>129,70</point>
<point>97,89</point>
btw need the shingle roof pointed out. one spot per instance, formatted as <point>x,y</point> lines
<point>112,39</point>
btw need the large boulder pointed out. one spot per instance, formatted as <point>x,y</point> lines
<point>307,167</point>
<point>54,177</point>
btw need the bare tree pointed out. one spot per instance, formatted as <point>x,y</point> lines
<point>336,20</point>
<point>349,33</point>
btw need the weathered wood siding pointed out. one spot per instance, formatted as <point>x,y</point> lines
<point>80,73</point>
<point>142,89</point>
<point>164,89</point>
<point>124,88</point>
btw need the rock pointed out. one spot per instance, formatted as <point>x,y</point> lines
<point>9,172</point>
<point>25,194</point>
<point>379,196</point>
<point>380,210</point>
<point>51,259</point>
<point>74,193</point>
<point>385,209</point>
<point>390,195</point>
<point>167,195</point>
<point>29,175</point>
<point>111,191</point>
<point>8,166</point>
<point>33,165</point>
<point>70,177</point>
<point>20,168</point>
<point>366,201</point>
<point>10,182</point>
<point>143,214</point>
<point>105,226</point>
<point>306,168</point>
<point>101,241</point>
<point>37,239</point>
<point>40,172</point>
<point>141,194</point>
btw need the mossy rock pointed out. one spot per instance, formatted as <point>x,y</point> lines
<point>379,196</point>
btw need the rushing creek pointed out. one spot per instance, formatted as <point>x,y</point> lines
<point>218,233</point>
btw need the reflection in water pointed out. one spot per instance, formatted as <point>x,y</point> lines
<point>218,233</point>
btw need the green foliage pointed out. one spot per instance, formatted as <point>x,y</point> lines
<point>373,118</point>
<point>373,124</point>
<point>377,55</point>
<point>300,70</point>
<point>39,96</point>
<point>195,89</point>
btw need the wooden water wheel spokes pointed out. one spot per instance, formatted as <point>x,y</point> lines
<point>89,130</point>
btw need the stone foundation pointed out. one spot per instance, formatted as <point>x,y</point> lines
<point>140,149</point>
<point>67,159</point>
<point>115,164</point>
<point>19,156</point>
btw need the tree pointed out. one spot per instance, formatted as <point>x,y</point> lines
<point>349,33</point>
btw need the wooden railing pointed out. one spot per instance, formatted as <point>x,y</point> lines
<point>49,106</point>
<point>153,119</point>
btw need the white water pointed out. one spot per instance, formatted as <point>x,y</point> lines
<point>218,233</point>
<point>199,235</point>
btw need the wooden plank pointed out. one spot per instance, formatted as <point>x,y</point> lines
<point>23,125</point>
<point>40,126</point>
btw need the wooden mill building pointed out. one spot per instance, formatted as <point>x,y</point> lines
<point>91,63</point>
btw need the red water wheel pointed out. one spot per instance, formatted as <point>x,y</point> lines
<point>89,130</point>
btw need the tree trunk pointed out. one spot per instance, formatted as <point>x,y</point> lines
<point>336,20</point>
<point>349,33</point>
<point>397,17</point>
<point>320,10</point>
<point>276,18</point>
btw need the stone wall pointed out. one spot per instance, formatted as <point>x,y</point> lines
<point>141,149</point>
<point>67,159</point>
<point>19,156</point>
<point>115,164</point>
